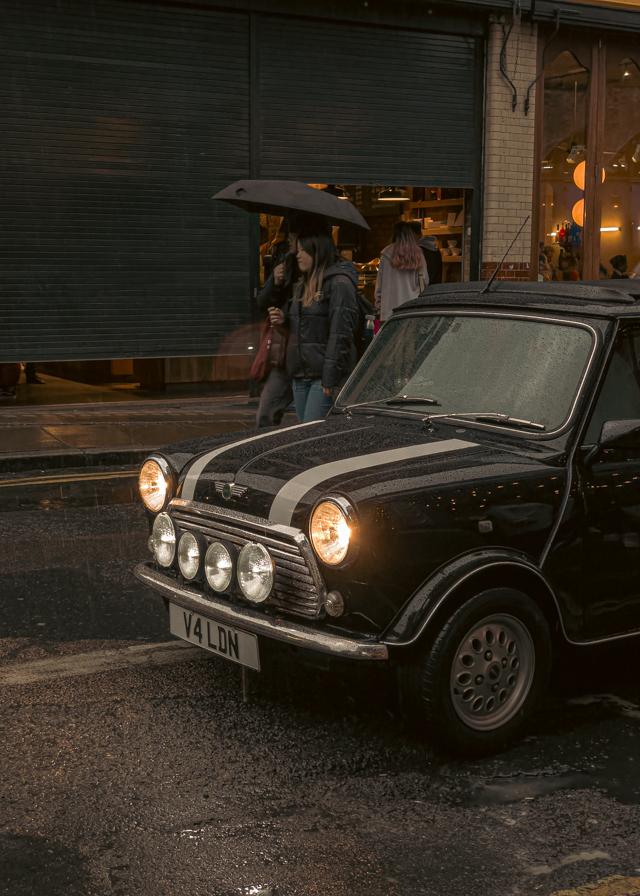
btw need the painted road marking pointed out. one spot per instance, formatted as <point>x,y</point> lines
<point>67,477</point>
<point>81,664</point>
<point>608,886</point>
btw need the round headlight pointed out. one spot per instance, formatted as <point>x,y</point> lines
<point>218,566</point>
<point>255,572</point>
<point>330,532</point>
<point>189,555</point>
<point>163,539</point>
<point>155,484</point>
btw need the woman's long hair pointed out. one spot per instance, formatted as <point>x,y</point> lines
<point>405,254</point>
<point>322,250</point>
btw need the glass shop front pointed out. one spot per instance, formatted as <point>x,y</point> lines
<point>589,158</point>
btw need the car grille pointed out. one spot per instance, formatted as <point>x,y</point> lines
<point>298,587</point>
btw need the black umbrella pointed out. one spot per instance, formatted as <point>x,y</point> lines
<point>278,197</point>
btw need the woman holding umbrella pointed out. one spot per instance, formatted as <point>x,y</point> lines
<point>323,313</point>
<point>322,317</point>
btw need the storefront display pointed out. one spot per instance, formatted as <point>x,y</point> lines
<point>439,213</point>
<point>620,204</point>
<point>589,158</point>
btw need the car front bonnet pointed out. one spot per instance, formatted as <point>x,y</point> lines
<point>280,474</point>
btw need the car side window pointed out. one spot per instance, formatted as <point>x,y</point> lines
<point>619,397</point>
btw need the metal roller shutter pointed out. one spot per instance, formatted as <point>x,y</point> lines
<point>362,104</point>
<point>119,121</point>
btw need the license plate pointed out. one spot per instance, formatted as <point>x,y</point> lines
<point>239,647</point>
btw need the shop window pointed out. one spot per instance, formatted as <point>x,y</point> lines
<point>564,153</point>
<point>620,192</point>
<point>442,218</point>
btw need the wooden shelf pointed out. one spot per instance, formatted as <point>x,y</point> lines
<point>437,203</point>
<point>451,259</point>
<point>438,229</point>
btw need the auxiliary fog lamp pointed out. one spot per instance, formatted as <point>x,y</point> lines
<point>162,540</point>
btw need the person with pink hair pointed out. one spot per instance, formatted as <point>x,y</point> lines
<point>402,273</point>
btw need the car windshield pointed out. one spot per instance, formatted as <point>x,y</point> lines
<point>514,369</point>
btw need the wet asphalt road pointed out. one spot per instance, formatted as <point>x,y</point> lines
<point>133,767</point>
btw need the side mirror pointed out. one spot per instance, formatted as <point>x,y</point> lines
<point>620,434</point>
<point>624,434</point>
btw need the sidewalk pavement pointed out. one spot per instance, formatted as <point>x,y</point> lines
<point>50,437</point>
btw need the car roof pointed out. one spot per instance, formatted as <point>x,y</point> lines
<point>610,298</point>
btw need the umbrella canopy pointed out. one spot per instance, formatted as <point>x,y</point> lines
<point>277,197</point>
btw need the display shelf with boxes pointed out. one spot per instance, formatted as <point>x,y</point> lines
<point>441,213</point>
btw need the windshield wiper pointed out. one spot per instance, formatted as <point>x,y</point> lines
<point>396,399</point>
<point>412,399</point>
<point>490,417</point>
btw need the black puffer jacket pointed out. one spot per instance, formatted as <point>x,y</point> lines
<point>321,335</point>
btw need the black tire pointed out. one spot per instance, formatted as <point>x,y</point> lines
<point>502,637</point>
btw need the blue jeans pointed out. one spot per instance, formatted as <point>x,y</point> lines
<point>310,401</point>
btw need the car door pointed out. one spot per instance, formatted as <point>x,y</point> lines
<point>609,490</point>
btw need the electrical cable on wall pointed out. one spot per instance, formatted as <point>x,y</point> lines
<point>515,17</point>
<point>527,100</point>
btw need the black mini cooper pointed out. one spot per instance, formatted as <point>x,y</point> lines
<point>471,503</point>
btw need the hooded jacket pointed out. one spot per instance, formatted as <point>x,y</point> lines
<point>321,335</point>
<point>432,256</point>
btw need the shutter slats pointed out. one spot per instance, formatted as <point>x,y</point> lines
<point>367,105</point>
<point>119,123</point>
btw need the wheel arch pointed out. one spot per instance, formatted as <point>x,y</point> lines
<point>443,594</point>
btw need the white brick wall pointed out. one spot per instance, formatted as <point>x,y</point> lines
<point>509,145</point>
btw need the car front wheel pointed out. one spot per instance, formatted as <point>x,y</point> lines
<point>484,672</point>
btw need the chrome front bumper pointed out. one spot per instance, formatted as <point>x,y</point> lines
<point>250,621</point>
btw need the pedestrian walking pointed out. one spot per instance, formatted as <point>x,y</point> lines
<point>276,395</point>
<point>402,273</point>
<point>433,257</point>
<point>322,318</point>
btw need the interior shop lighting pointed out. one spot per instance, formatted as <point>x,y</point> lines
<point>392,194</point>
<point>610,229</point>
<point>547,166</point>
<point>338,191</point>
<point>636,154</point>
<point>579,173</point>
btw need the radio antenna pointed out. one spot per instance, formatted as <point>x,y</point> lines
<point>495,273</point>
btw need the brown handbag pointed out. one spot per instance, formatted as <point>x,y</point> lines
<point>278,347</point>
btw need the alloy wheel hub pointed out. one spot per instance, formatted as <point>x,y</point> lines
<point>492,672</point>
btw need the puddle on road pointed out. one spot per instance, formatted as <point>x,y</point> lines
<point>257,890</point>
<point>597,750</point>
<point>525,786</point>
<point>617,777</point>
